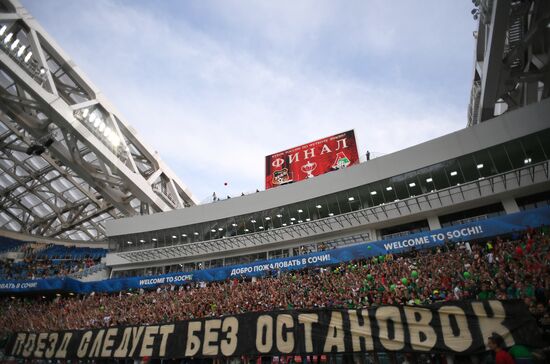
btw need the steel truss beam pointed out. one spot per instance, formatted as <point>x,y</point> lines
<point>512,61</point>
<point>44,96</point>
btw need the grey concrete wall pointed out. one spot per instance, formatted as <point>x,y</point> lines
<point>503,128</point>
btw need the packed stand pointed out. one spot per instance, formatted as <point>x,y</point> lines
<point>51,260</point>
<point>511,269</point>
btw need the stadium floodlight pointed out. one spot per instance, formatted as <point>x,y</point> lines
<point>21,51</point>
<point>220,229</point>
<point>412,184</point>
<point>300,211</point>
<point>195,233</point>
<point>284,223</point>
<point>268,218</point>
<point>429,179</point>
<point>8,38</point>
<point>389,188</point>
<point>174,237</point>
<point>396,200</point>
<point>292,219</point>
<point>480,165</point>
<point>3,29</point>
<point>213,230</point>
<point>97,122</point>
<point>142,241</point>
<point>42,70</point>
<point>300,221</point>
<point>454,173</point>
<point>92,117</point>
<point>308,219</point>
<point>373,193</point>
<point>154,239</point>
<point>107,132</point>
<point>330,214</point>
<point>85,113</point>
<point>318,206</point>
<point>183,235</point>
<point>279,215</point>
<point>234,225</point>
<point>14,44</point>
<point>246,230</point>
<point>129,242</point>
<point>27,57</point>
<point>261,228</point>
<point>253,221</point>
<point>527,161</point>
<point>101,126</point>
<point>351,198</point>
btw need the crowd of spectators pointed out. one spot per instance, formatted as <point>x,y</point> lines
<point>31,268</point>
<point>498,269</point>
<point>50,261</point>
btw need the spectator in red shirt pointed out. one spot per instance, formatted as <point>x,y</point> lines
<point>496,344</point>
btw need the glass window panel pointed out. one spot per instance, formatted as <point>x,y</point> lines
<point>413,184</point>
<point>439,177</point>
<point>533,148</point>
<point>469,168</point>
<point>544,141</point>
<point>365,196</point>
<point>375,195</point>
<point>388,191</point>
<point>516,154</point>
<point>500,158</point>
<point>351,201</point>
<point>333,205</point>
<point>400,188</point>
<point>484,163</point>
<point>453,172</point>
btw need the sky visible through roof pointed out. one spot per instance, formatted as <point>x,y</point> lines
<point>215,86</point>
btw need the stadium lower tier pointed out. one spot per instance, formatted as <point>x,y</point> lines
<point>482,271</point>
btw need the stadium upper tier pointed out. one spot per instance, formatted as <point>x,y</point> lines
<point>469,168</point>
<point>23,260</point>
<point>8,245</point>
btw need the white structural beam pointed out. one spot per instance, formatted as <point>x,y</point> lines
<point>512,57</point>
<point>59,117</point>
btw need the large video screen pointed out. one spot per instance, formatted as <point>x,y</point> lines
<point>311,159</point>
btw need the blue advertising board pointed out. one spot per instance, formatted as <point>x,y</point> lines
<point>470,231</point>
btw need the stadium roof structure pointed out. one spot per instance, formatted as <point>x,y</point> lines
<point>512,67</point>
<point>68,160</point>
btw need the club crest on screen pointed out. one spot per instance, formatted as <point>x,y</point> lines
<point>281,177</point>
